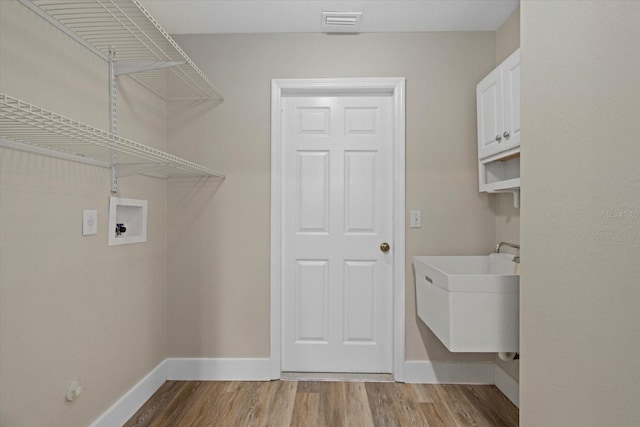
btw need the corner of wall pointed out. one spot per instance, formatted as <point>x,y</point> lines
<point>508,36</point>
<point>507,217</point>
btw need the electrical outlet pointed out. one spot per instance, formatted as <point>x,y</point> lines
<point>73,391</point>
<point>89,222</point>
<point>416,218</point>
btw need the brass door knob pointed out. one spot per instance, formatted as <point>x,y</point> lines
<point>384,247</point>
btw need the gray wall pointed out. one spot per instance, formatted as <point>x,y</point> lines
<point>72,307</point>
<point>219,259</point>
<point>507,216</point>
<point>580,293</point>
<point>66,314</point>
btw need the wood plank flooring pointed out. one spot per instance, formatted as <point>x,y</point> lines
<point>324,403</point>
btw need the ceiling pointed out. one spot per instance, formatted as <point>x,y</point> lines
<point>304,16</point>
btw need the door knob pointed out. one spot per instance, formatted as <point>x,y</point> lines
<point>498,138</point>
<point>506,134</point>
<point>384,247</point>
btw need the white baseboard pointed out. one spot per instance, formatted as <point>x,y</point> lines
<point>426,372</point>
<point>120,412</point>
<point>507,385</point>
<point>236,369</point>
<point>182,370</point>
<point>259,369</point>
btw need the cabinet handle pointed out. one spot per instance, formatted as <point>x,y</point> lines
<point>506,134</point>
<point>498,138</point>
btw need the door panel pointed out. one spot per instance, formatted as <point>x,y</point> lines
<point>337,284</point>
<point>360,120</point>
<point>359,301</point>
<point>312,207</point>
<point>360,191</point>
<point>313,120</point>
<point>312,292</point>
<point>511,76</point>
<point>490,114</point>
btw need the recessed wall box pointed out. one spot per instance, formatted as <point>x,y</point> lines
<point>127,221</point>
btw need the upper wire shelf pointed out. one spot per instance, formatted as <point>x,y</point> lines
<point>128,29</point>
<point>32,128</point>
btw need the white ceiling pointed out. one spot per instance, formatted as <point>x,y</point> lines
<point>304,16</point>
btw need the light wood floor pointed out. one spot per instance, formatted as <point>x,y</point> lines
<point>323,403</point>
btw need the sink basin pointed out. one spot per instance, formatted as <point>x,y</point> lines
<point>471,303</point>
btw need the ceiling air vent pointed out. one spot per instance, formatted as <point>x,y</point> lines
<point>341,22</point>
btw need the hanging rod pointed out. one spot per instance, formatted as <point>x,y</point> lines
<point>136,37</point>
<point>35,129</point>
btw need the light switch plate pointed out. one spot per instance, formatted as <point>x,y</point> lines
<point>89,222</point>
<point>416,218</point>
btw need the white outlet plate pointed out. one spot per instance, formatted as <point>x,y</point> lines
<point>73,391</point>
<point>89,222</point>
<point>416,219</point>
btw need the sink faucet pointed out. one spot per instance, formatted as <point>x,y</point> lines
<point>512,245</point>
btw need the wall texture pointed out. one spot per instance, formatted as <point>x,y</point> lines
<point>581,213</point>
<point>66,313</point>
<point>508,36</point>
<point>70,306</point>
<point>219,256</point>
<point>507,217</point>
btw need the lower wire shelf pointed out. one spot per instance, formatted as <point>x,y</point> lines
<point>31,128</point>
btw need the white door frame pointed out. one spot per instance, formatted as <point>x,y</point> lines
<point>395,87</point>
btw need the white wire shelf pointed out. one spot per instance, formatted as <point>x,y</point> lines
<point>31,128</point>
<point>139,42</point>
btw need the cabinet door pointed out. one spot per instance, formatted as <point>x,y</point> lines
<point>511,83</point>
<point>490,114</point>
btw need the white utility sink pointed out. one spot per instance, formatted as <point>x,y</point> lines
<point>471,303</point>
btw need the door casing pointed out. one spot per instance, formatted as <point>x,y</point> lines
<point>394,87</point>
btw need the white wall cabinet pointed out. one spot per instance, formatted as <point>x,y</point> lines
<point>498,103</point>
<point>498,97</point>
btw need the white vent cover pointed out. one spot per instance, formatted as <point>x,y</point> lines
<point>341,22</point>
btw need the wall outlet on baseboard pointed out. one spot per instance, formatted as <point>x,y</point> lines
<point>73,391</point>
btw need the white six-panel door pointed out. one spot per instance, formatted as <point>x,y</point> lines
<point>337,210</point>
